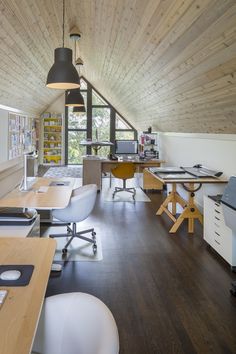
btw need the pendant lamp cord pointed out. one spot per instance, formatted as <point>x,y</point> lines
<point>75,58</point>
<point>63,21</point>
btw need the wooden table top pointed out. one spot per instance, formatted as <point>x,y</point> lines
<point>56,197</point>
<point>140,162</point>
<point>20,312</point>
<point>190,180</point>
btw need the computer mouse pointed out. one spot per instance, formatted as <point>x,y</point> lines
<point>10,275</point>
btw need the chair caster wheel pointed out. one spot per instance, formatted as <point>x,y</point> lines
<point>93,235</point>
<point>64,251</point>
<point>94,249</point>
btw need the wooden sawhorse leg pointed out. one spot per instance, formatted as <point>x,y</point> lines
<point>172,198</point>
<point>190,212</point>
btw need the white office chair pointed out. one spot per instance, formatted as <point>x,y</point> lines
<point>76,323</point>
<point>81,205</point>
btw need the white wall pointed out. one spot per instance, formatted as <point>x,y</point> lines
<point>58,106</point>
<point>216,151</point>
<point>11,171</point>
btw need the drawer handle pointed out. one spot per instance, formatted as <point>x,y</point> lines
<point>217,218</point>
<point>217,233</point>
<point>217,211</point>
<point>216,225</point>
<point>217,204</point>
<point>217,242</point>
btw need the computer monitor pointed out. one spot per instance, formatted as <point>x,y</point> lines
<point>129,147</point>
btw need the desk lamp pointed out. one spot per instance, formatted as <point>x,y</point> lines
<point>33,155</point>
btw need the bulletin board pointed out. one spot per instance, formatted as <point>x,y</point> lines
<point>20,135</point>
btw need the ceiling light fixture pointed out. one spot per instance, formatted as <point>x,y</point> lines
<point>79,109</point>
<point>63,74</point>
<point>74,97</point>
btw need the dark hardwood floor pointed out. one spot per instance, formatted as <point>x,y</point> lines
<point>168,293</point>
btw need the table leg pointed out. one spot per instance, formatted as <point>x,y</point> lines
<point>172,198</point>
<point>190,213</point>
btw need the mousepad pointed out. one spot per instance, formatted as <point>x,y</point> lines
<point>26,273</point>
<point>59,183</point>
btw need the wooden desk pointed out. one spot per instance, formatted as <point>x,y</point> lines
<point>20,312</point>
<point>56,197</point>
<point>93,168</point>
<point>190,210</point>
<point>108,165</point>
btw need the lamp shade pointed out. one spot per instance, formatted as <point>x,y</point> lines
<point>74,98</point>
<point>63,75</point>
<point>80,109</point>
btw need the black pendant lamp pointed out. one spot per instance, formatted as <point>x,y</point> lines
<point>80,109</point>
<point>74,98</point>
<point>63,74</point>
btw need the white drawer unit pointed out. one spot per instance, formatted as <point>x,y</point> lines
<point>216,233</point>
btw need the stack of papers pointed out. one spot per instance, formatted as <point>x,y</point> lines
<point>168,170</point>
<point>175,175</point>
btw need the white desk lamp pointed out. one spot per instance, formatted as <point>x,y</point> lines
<point>24,185</point>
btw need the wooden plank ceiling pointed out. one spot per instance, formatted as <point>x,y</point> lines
<point>169,64</point>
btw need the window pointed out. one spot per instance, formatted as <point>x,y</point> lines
<point>76,120</point>
<point>101,128</point>
<point>123,130</point>
<point>125,135</point>
<point>75,150</point>
<point>83,84</point>
<point>120,123</point>
<point>97,100</point>
<point>100,122</point>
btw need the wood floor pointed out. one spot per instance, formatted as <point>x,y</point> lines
<point>168,293</point>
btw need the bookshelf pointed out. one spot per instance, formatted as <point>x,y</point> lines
<point>52,138</point>
<point>149,144</point>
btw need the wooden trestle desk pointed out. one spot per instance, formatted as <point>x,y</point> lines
<point>21,309</point>
<point>190,210</point>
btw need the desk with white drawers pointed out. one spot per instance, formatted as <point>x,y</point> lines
<point>216,233</point>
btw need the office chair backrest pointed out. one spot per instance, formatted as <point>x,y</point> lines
<point>81,204</point>
<point>124,170</point>
<point>76,323</point>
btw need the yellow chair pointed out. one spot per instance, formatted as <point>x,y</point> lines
<point>124,171</point>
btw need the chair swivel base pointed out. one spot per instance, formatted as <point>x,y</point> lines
<point>119,189</point>
<point>72,233</point>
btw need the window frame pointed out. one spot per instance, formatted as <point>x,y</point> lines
<point>88,130</point>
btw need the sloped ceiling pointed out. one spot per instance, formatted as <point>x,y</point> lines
<point>169,64</point>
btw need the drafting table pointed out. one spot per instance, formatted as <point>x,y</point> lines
<point>190,211</point>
